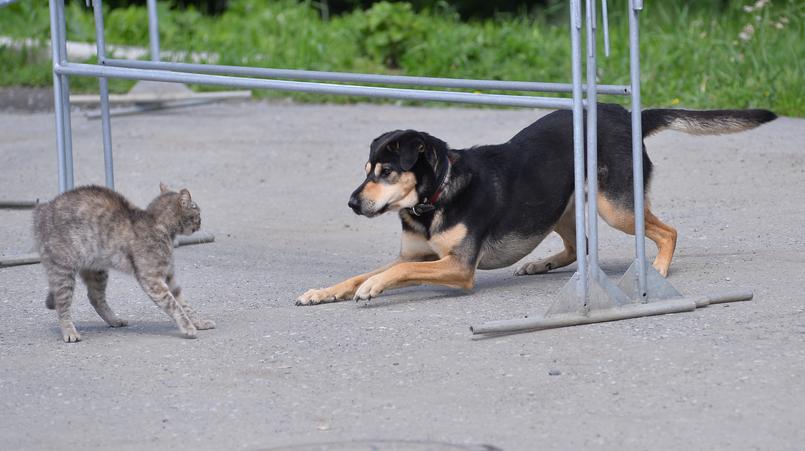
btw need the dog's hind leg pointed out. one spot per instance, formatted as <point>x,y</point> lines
<point>566,228</point>
<point>622,218</point>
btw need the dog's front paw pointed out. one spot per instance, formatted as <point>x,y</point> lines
<point>371,288</point>
<point>315,296</point>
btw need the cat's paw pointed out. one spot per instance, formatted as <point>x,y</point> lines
<point>70,335</point>
<point>190,334</point>
<point>204,324</point>
<point>117,322</point>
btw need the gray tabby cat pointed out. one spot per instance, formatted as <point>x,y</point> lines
<point>92,229</point>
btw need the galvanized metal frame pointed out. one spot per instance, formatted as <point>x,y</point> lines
<point>588,297</point>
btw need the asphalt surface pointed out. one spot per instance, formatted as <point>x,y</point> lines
<point>403,371</point>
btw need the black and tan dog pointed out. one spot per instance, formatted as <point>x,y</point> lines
<point>489,206</point>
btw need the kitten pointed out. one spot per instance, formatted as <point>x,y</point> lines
<point>92,229</point>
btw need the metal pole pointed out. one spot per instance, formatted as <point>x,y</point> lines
<point>637,150</point>
<point>582,289</point>
<point>153,29</point>
<point>592,140</point>
<point>458,83</point>
<point>67,128</point>
<point>106,127</point>
<point>58,98</point>
<point>605,23</point>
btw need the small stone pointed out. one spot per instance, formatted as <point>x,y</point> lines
<point>554,372</point>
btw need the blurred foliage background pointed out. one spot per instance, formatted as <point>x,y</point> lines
<point>703,54</point>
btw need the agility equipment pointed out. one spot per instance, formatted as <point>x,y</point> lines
<point>590,296</point>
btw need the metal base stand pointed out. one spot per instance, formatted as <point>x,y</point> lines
<point>657,287</point>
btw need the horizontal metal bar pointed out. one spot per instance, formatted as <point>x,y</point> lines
<point>91,99</point>
<point>18,204</point>
<point>95,70</point>
<point>196,238</point>
<point>19,260</point>
<point>722,297</point>
<point>32,258</point>
<point>362,78</point>
<point>146,107</point>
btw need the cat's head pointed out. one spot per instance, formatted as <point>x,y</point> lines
<point>188,212</point>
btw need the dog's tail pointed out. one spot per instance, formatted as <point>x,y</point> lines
<point>707,122</point>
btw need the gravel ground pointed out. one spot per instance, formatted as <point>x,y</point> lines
<point>273,179</point>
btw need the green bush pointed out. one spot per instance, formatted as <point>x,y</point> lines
<point>726,54</point>
<point>388,30</point>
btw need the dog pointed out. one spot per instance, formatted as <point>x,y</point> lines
<point>489,206</point>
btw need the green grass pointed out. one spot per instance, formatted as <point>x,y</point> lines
<point>693,53</point>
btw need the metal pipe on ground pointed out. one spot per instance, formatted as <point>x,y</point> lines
<point>611,314</point>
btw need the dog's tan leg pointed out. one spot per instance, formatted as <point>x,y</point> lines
<point>448,271</point>
<point>566,228</point>
<point>413,247</point>
<point>663,235</point>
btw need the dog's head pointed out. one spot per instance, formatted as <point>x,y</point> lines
<point>402,165</point>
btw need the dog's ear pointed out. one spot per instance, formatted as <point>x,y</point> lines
<point>410,145</point>
<point>383,141</point>
<point>433,148</point>
<point>405,143</point>
<point>409,154</point>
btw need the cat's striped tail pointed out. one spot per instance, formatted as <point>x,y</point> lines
<point>49,302</point>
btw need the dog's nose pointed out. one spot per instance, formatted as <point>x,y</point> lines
<point>354,203</point>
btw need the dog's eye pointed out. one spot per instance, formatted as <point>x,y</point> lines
<point>385,172</point>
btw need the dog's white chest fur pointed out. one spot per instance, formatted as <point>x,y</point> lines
<point>507,250</point>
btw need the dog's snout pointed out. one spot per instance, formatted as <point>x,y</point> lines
<point>354,203</point>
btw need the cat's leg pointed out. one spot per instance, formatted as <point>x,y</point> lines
<point>61,283</point>
<point>155,287</point>
<point>96,292</point>
<point>176,291</point>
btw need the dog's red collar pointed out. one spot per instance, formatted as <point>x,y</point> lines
<point>428,205</point>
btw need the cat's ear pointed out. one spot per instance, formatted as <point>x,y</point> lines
<point>163,188</point>
<point>184,198</point>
